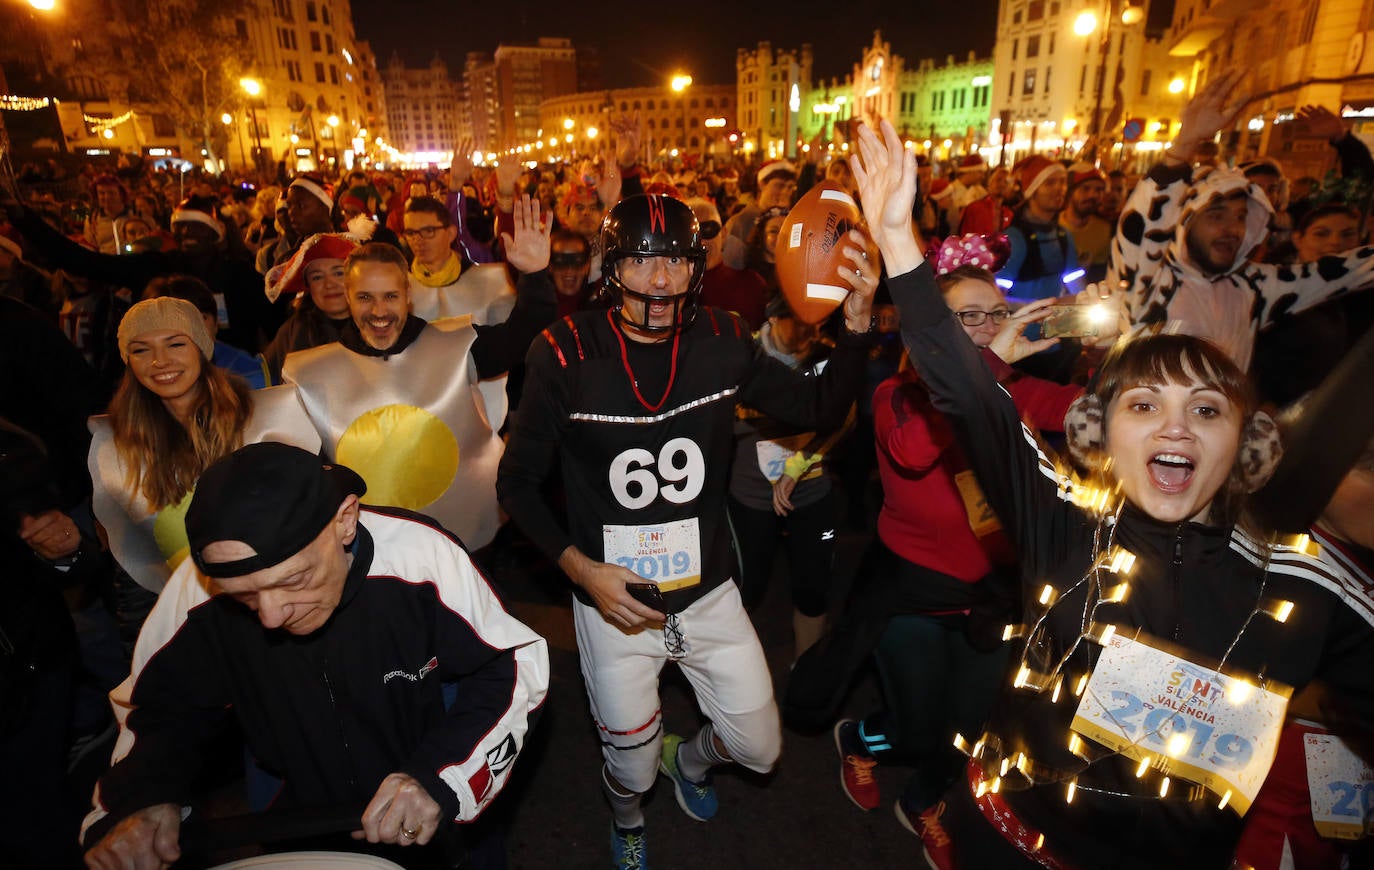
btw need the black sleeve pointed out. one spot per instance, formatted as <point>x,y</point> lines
<point>499,346</point>
<point>630,185</point>
<point>532,449</point>
<point>1020,482</point>
<point>179,705</point>
<point>819,403</point>
<point>1354,156</point>
<point>125,270</point>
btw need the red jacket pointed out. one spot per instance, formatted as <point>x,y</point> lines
<point>924,519</point>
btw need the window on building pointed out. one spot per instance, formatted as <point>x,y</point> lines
<point>1048,70</point>
<point>329,43</point>
<point>934,101</point>
<point>1015,44</point>
<point>1145,82</point>
<point>1309,23</point>
<point>1054,8</point>
<point>649,123</point>
<point>333,74</point>
<point>324,14</point>
<point>293,70</point>
<point>725,102</point>
<point>1035,10</point>
<point>240,28</point>
<point>1028,83</point>
<point>314,40</point>
<point>319,72</point>
<point>1033,46</point>
<point>710,103</point>
<point>1016,17</point>
<point>694,103</point>
<point>311,13</point>
<point>1011,85</point>
<point>1051,48</point>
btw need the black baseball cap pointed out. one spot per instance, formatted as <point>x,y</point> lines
<point>271,496</point>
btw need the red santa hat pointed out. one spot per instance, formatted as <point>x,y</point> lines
<point>772,167</point>
<point>940,189</point>
<point>1035,171</point>
<point>289,277</point>
<point>315,186</point>
<point>200,210</point>
<point>1083,171</point>
<point>972,163</point>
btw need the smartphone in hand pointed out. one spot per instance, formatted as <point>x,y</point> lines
<point>1071,320</point>
<point>647,594</point>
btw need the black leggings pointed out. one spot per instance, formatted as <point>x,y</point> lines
<point>810,551</point>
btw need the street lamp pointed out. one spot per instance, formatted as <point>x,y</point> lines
<point>333,122</point>
<point>680,83</point>
<point>253,88</point>
<point>1085,25</point>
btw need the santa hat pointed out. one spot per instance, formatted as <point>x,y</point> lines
<point>289,277</point>
<point>349,202</point>
<point>199,210</point>
<point>940,188</point>
<point>773,167</point>
<point>972,163</point>
<point>315,186</point>
<point>1035,171</point>
<point>1083,171</point>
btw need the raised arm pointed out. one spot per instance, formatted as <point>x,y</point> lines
<point>501,345</point>
<point>1020,483</point>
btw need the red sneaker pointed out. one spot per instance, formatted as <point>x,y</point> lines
<point>856,767</point>
<point>935,841</point>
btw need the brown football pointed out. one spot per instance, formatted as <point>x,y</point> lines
<point>810,251</point>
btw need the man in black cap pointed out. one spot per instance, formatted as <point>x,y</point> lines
<point>326,630</point>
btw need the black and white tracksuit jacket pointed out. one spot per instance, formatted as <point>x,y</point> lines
<point>335,712</point>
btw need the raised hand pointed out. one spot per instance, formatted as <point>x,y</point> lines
<point>528,249</point>
<point>1321,121</point>
<point>461,169</point>
<point>1211,110</point>
<point>608,185</point>
<point>885,173</point>
<point>862,278</point>
<point>628,133</point>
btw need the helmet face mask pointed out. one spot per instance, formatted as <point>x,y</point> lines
<point>648,227</point>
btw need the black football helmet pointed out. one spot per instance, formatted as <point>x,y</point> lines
<point>653,225</point>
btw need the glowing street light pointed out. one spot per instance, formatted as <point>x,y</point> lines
<point>592,132</point>
<point>226,119</point>
<point>1177,85</point>
<point>43,5</point>
<point>1085,24</point>
<point>251,87</point>
<point>681,82</point>
<point>568,123</point>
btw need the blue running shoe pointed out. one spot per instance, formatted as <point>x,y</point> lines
<point>628,848</point>
<point>697,800</point>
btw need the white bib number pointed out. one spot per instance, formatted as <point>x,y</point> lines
<point>681,473</point>
<point>668,554</point>
<point>1341,787</point>
<point>1189,720</point>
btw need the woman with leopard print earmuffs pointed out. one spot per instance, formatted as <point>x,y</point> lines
<point>1160,637</point>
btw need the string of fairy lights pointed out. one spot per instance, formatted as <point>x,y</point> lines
<point>1107,581</point>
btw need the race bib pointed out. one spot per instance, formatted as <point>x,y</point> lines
<point>980,517</point>
<point>1341,787</point>
<point>668,554</point>
<point>773,455</point>
<point>1186,719</point>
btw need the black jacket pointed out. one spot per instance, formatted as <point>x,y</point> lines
<point>1192,587</point>
<point>335,712</point>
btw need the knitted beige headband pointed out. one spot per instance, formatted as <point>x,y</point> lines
<point>164,312</point>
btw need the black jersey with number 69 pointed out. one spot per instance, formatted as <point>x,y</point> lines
<point>644,436</point>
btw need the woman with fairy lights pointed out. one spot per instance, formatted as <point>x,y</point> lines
<point>1161,639</point>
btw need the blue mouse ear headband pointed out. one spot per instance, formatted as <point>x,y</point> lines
<point>1259,454</point>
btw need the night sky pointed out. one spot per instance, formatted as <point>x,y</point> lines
<point>701,37</point>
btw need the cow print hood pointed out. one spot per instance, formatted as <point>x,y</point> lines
<point>1222,183</point>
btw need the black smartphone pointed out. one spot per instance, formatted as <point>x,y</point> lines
<point>647,594</point>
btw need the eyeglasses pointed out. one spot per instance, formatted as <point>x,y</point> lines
<point>978,318</point>
<point>425,233</point>
<point>709,230</point>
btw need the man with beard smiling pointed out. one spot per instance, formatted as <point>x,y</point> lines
<point>1182,248</point>
<point>413,406</point>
